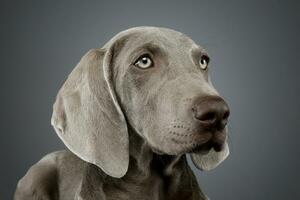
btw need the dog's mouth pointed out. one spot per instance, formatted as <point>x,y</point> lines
<point>203,144</point>
<point>200,142</point>
<point>205,148</point>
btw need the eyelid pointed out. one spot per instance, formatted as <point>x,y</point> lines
<point>206,57</point>
<point>197,54</point>
<point>146,54</point>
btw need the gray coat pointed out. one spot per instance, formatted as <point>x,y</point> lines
<point>128,113</point>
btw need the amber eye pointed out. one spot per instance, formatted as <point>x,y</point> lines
<point>203,62</point>
<point>144,62</point>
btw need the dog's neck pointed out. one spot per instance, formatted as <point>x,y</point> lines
<point>148,171</point>
<point>144,160</point>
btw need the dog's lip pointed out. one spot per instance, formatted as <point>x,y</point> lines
<point>216,141</point>
<point>201,142</point>
<point>205,148</point>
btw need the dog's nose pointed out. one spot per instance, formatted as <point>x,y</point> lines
<point>211,111</point>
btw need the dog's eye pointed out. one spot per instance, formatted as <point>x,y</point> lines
<point>144,62</point>
<point>203,62</point>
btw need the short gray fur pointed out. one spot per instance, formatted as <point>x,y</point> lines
<point>119,121</point>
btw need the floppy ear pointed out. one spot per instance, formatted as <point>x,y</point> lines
<point>88,118</point>
<point>210,160</point>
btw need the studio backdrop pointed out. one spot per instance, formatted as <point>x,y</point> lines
<point>254,51</point>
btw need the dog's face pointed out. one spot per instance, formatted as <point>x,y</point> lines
<point>165,91</point>
<point>154,80</point>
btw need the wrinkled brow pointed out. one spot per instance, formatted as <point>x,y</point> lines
<point>149,47</point>
<point>198,51</point>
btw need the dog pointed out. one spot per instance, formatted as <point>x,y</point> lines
<point>128,114</point>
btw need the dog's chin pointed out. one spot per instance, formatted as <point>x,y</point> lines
<point>200,145</point>
<point>205,148</point>
<point>199,149</point>
<point>216,142</point>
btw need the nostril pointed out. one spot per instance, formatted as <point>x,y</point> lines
<point>225,115</point>
<point>224,120</point>
<point>208,116</point>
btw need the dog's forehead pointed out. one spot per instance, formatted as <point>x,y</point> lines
<point>138,36</point>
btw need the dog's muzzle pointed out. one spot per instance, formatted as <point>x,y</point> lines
<point>211,113</point>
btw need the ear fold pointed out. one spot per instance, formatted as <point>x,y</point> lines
<point>88,118</point>
<point>210,160</point>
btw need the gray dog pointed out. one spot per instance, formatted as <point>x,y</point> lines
<point>128,113</point>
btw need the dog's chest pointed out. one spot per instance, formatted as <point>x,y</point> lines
<point>153,187</point>
<point>150,189</point>
<point>137,184</point>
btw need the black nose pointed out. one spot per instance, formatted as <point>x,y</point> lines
<point>211,111</point>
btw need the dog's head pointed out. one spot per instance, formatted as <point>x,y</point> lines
<point>153,79</point>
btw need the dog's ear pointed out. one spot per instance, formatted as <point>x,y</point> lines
<point>88,118</point>
<point>210,160</point>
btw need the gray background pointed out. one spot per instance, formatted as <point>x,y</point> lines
<point>254,46</point>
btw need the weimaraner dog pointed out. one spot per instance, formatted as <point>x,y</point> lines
<point>129,113</point>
